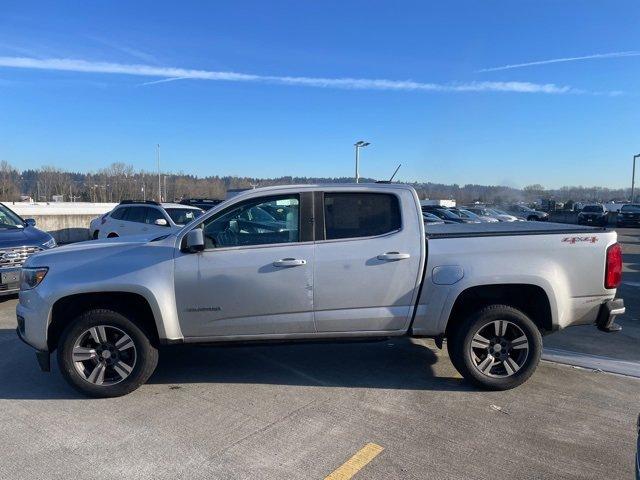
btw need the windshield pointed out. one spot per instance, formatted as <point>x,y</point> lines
<point>631,208</point>
<point>430,217</point>
<point>8,219</point>
<point>495,211</point>
<point>468,214</point>
<point>182,216</point>
<point>593,208</point>
<point>446,214</point>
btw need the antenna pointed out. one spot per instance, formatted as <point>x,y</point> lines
<point>394,173</point>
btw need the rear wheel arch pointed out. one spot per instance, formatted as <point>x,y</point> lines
<point>131,305</point>
<point>532,300</point>
<point>112,235</point>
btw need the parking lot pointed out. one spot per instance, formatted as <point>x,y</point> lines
<point>301,411</point>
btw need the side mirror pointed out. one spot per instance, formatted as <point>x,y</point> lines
<point>161,221</point>
<point>195,241</point>
<point>31,222</point>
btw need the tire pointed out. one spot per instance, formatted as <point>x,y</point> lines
<point>532,218</point>
<point>108,347</point>
<point>498,365</point>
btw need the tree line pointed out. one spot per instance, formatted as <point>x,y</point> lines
<point>120,182</point>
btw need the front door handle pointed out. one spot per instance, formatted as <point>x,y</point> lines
<point>289,262</point>
<point>393,256</point>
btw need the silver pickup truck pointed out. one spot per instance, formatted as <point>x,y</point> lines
<point>301,263</point>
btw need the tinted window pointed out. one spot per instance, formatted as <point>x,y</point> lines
<point>135,214</point>
<point>630,208</point>
<point>119,213</point>
<point>593,208</point>
<point>251,224</point>
<point>349,215</point>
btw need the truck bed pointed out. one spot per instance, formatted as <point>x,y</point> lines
<point>458,230</point>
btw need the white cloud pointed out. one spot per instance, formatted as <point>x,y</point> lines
<point>562,60</point>
<point>167,74</point>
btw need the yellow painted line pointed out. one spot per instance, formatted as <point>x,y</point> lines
<point>356,463</point>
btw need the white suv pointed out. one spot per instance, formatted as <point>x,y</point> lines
<point>134,218</point>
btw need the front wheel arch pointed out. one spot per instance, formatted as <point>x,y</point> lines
<point>67,308</point>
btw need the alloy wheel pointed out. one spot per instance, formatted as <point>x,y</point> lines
<point>499,349</point>
<point>104,355</point>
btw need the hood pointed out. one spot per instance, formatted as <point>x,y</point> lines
<point>23,237</point>
<point>95,248</point>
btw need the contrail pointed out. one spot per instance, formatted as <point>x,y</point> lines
<point>562,60</point>
<point>167,74</point>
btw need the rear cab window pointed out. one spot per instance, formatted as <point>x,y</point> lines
<point>354,215</point>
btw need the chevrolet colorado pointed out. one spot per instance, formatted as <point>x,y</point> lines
<point>339,262</point>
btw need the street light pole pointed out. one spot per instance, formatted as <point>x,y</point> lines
<point>159,187</point>
<point>633,177</point>
<point>359,144</point>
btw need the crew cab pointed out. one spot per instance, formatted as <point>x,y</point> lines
<point>340,262</point>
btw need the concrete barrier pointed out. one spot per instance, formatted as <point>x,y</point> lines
<point>67,222</point>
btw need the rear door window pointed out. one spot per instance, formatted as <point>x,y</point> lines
<point>352,215</point>
<point>136,214</point>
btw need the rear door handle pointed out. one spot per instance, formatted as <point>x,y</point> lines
<point>393,256</point>
<point>289,262</point>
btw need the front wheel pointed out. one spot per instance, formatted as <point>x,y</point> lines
<point>102,353</point>
<point>498,348</point>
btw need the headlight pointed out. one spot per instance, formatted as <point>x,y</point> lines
<point>32,277</point>
<point>50,243</point>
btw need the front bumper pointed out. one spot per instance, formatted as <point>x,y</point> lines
<point>43,357</point>
<point>608,313</point>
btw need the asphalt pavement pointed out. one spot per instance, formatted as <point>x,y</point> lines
<point>304,411</point>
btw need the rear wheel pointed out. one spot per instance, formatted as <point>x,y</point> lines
<point>112,235</point>
<point>102,353</point>
<point>497,348</point>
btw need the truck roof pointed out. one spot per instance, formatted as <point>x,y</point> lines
<point>454,230</point>
<point>325,186</point>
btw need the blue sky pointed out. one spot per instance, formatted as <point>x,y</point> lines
<point>286,87</point>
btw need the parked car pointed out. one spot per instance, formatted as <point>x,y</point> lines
<point>526,213</point>
<point>446,214</point>
<point>492,213</point>
<point>469,215</point>
<point>203,203</point>
<point>132,217</point>
<point>593,214</point>
<point>431,219</point>
<point>491,290</point>
<point>19,238</point>
<point>629,215</point>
